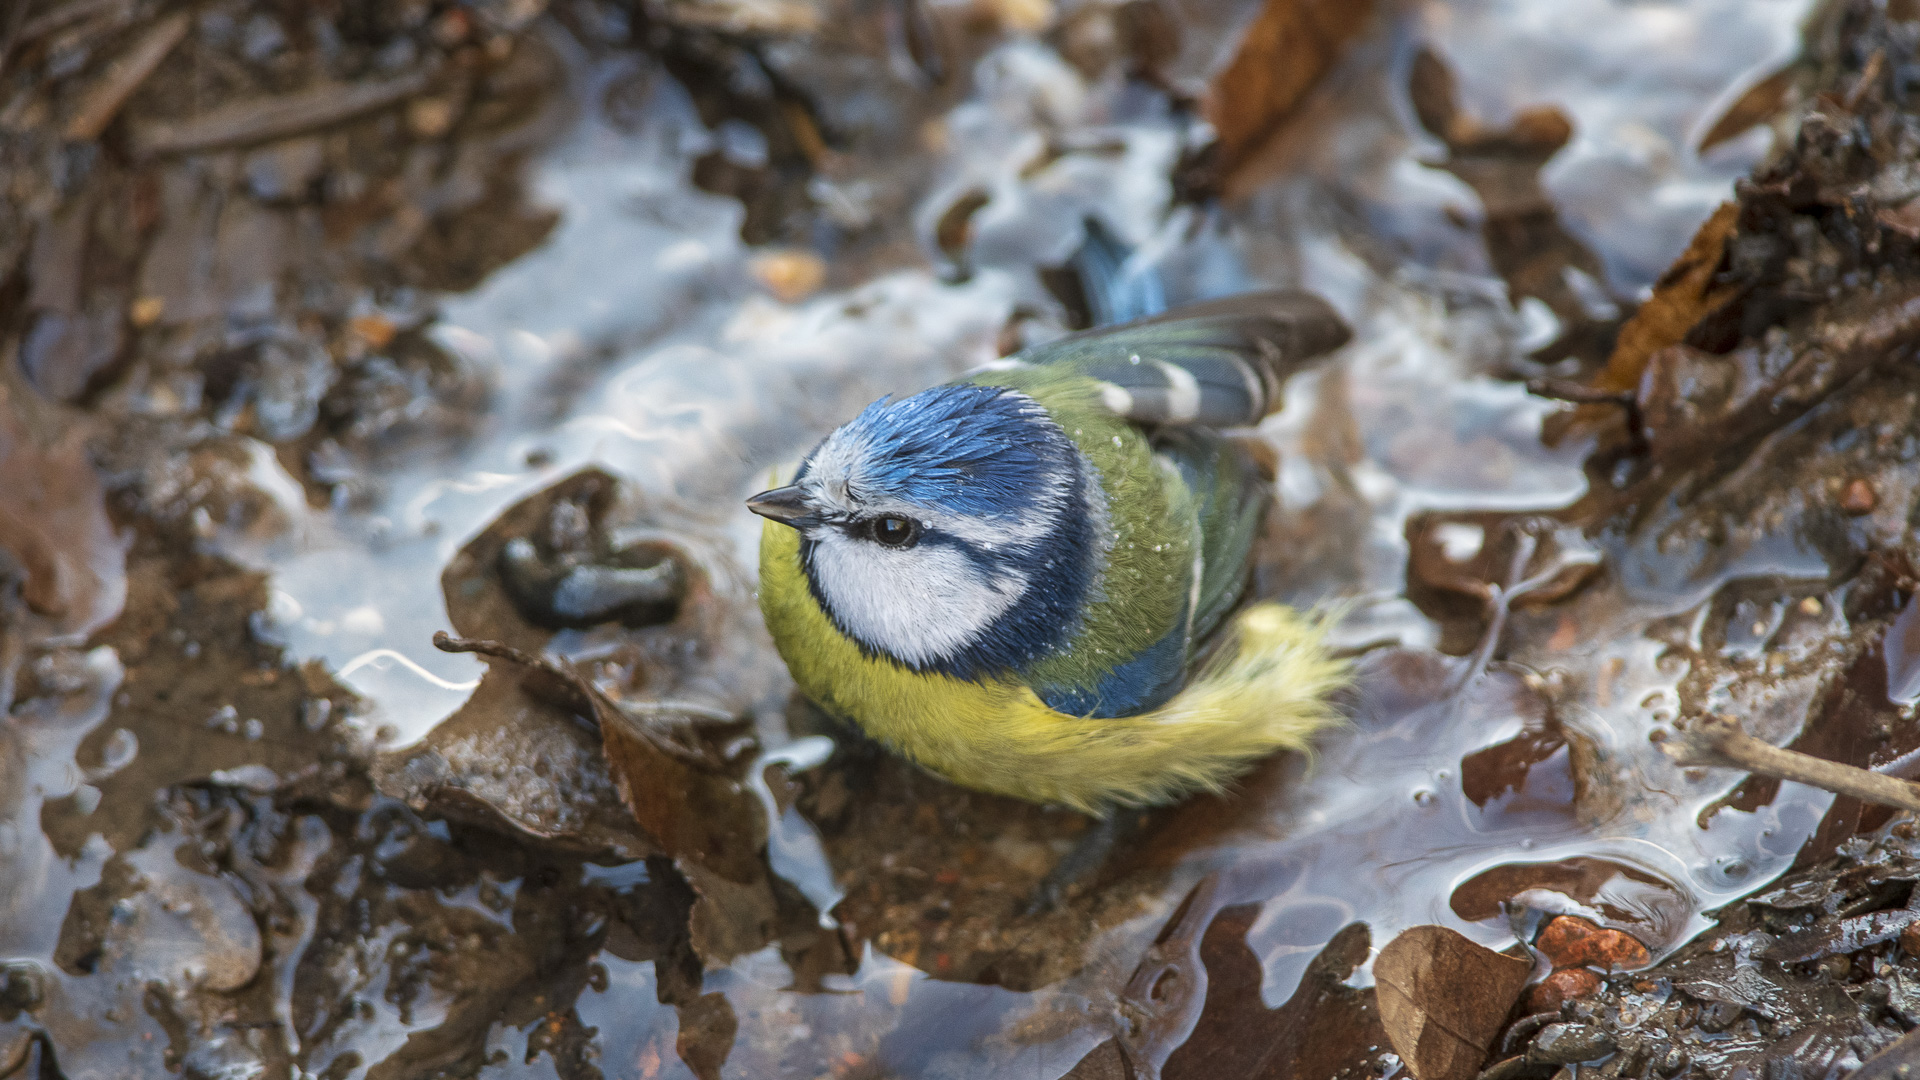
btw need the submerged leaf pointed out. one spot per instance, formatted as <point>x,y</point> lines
<point>53,522</point>
<point>1443,998</point>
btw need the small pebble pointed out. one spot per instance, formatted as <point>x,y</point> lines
<point>1570,941</point>
<point>376,330</point>
<point>1564,1044</point>
<point>1562,986</point>
<point>22,985</point>
<point>790,275</point>
<point>429,118</point>
<point>451,28</point>
<point>1859,498</point>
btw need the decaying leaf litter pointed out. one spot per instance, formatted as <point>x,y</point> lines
<point>332,329</point>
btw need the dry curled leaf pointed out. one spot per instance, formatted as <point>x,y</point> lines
<point>1289,47</point>
<point>1760,103</point>
<point>1443,998</point>
<point>1683,296</point>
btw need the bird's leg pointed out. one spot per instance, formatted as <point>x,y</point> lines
<point>1088,854</point>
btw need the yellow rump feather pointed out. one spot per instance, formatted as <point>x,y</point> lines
<point>1264,690</point>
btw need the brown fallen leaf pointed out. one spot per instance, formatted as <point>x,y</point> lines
<point>1443,998</point>
<point>1762,102</point>
<point>1291,45</point>
<point>513,758</point>
<point>1481,554</point>
<point>1314,1033</point>
<point>659,727</point>
<point>1527,243</point>
<point>53,522</point>
<point>692,809</point>
<point>1683,296</point>
<point>686,804</point>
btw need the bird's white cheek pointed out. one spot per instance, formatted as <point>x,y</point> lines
<point>921,605</point>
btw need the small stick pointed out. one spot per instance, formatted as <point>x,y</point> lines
<point>448,643</point>
<point>1579,393</point>
<point>259,120</point>
<point>1718,742</point>
<point>124,75</point>
<point>64,16</point>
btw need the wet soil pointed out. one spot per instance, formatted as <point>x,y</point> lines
<point>327,327</point>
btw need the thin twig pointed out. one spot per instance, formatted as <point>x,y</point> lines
<point>1718,742</point>
<point>64,16</point>
<point>1500,604</point>
<point>259,120</point>
<point>448,643</point>
<point>1578,393</point>
<point>14,22</point>
<point>124,75</point>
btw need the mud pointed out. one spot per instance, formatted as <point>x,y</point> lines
<point>326,328</point>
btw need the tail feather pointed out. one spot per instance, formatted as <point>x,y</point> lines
<point>1113,282</point>
<point>1266,690</point>
<point>1220,364</point>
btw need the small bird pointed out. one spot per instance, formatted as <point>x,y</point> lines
<point>1015,579</point>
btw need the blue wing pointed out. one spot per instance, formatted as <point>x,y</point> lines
<point>1217,364</point>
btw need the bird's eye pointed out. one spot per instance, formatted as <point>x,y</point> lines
<point>895,532</point>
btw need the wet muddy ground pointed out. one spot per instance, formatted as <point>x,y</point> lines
<point>329,328</point>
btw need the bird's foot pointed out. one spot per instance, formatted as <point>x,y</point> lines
<point>1082,862</point>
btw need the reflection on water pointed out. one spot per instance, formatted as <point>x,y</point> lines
<point>635,339</point>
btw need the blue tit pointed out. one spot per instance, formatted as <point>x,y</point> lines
<point>1015,579</point>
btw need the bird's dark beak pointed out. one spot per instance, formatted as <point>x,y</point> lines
<point>786,505</point>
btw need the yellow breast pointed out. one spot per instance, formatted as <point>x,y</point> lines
<point>1263,693</point>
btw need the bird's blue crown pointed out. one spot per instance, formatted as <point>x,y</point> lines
<point>983,451</point>
<point>1002,487</point>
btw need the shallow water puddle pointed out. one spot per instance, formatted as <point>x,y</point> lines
<point>743,384</point>
<point>1498,761</point>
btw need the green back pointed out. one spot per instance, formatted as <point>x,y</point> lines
<point>1152,526</point>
